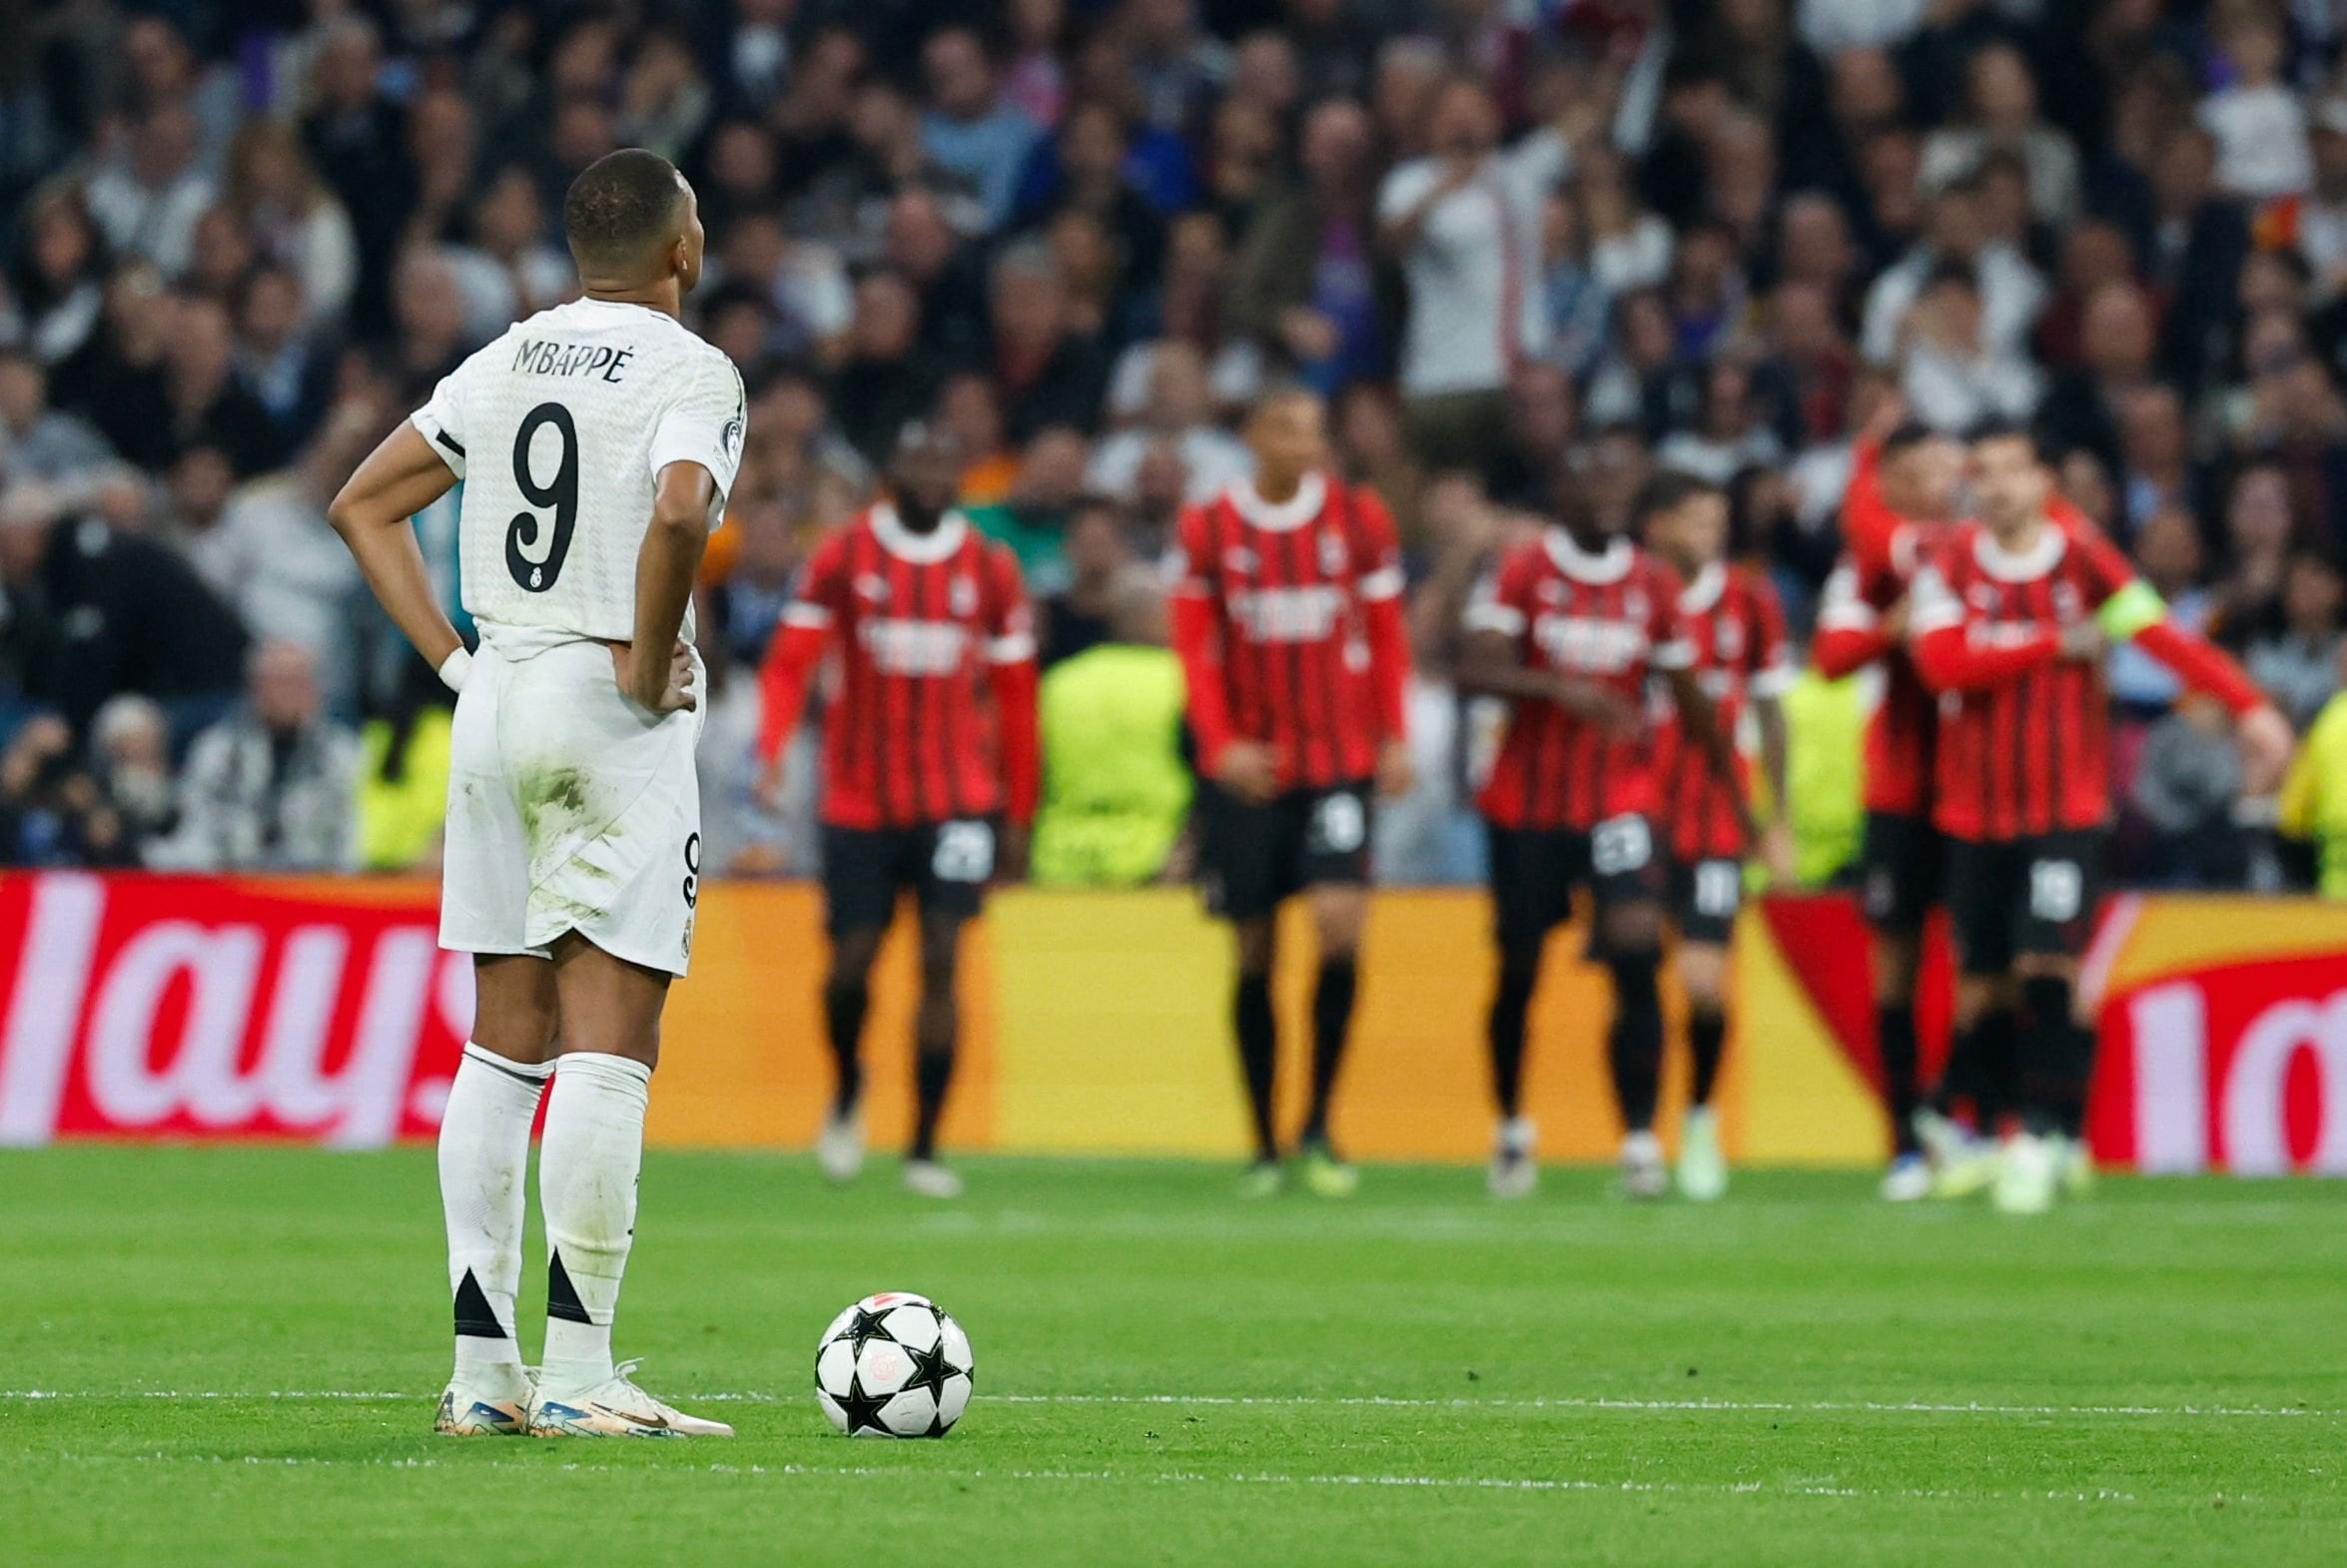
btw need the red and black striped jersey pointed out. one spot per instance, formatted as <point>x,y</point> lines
<point>1280,596</point>
<point>1736,623</point>
<point>2028,751</point>
<point>917,623</point>
<point>1902,736</point>
<point>1611,618</point>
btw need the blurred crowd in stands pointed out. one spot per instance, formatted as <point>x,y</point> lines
<point>242,239</point>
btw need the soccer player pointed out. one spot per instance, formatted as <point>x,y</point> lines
<point>597,441</point>
<point>1735,624</point>
<point>929,762</point>
<point>2010,619</point>
<point>1286,614</point>
<point>1901,501</point>
<point>1569,628</point>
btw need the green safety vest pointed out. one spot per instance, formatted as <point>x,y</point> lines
<point>1115,791</point>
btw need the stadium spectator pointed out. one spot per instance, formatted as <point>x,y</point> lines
<point>968,128</point>
<point>1177,410</point>
<point>293,218</point>
<point>147,202</point>
<point>269,787</point>
<point>1465,223</point>
<point>40,442</point>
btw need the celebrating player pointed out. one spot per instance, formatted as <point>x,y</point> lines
<point>1901,501</point>
<point>2010,616</point>
<point>1737,627</point>
<point>1286,613</point>
<point>1569,627</point>
<point>606,438</point>
<point>928,743</point>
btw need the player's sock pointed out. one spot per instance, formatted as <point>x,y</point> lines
<point>484,1171</point>
<point>1332,1018</point>
<point>1259,1049</point>
<point>594,1146</point>
<point>1707,1042</point>
<point>2060,1057</point>
<point>1511,1000</point>
<point>933,1074</point>
<point>845,1002</point>
<point>1895,1038</point>
<point>2000,1087</point>
<point>1635,1042</point>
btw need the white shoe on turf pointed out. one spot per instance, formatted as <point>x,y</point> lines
<point>1514,1173</point>
<point>930,1179</point>
<point>615,1407</point>
<point>480,1410</point>
<point>2029,1175</point>
<point>1703,1165</point>
<point>1643,1174</point>
<point>839,1148</point>
<point>1908,1180</point>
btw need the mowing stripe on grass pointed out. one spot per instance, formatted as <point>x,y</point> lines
<point>899,1473</point>
<point>1282,1402</point>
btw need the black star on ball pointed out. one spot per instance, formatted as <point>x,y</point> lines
<point>930,1369</point>
<point>861,1409</point>
<point>867,1326</point>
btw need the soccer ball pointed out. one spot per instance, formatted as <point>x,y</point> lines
<point>893,1366</point>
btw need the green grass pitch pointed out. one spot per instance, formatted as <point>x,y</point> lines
<point>232,1355</point>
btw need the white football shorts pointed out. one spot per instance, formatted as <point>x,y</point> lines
<point>569,809</point>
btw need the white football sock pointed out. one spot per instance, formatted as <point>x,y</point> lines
<point>594,1146</point>
<point>484,1171</point>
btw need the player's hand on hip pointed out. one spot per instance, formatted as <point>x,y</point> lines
<point>2266,742</point>
<point>1396,776</point>
<point>660,690</point>
<point>1248,770</point>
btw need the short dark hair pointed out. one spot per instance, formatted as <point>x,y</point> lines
<point>1907,433</point>
<point>1950,270</point>
<point>2000,429</point>
<point>621,208</point>
<point>1672,488</point>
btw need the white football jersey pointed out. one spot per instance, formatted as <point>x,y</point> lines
<point>559,431</point>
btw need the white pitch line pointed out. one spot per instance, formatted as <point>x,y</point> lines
<point>1283,1401</point>
<point>899,1473</point>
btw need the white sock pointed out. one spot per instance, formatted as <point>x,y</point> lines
<point>586,1183</point>
<point>485,1169</point>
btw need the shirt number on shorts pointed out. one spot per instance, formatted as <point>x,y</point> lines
<point>1339,824</point>
<point>692,871</point>
<point>536,576</point>
<point>1718,884</point>
<point>965,852</point>
<point>2056,888</point>
<point>1621,845</point>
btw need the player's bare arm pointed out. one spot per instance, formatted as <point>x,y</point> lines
<point>1699,722</point>
<point>1489,667</point>
<point>401,478</point>
<point>664,572</point>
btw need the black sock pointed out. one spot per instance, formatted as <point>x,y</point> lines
<point>1707,1042</point>
<point>1511,1000</point>
<point>933,1073</point>
<point>1332,1021</point>
<point>1259,1049</point>
<point>1895,1038</point>
<point>2058,1060</point>
<point>844,1005</point>
<point>1999,1092</point>
<point>1635,1042</point>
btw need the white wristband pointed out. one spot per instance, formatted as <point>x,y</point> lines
<point>453,669</point>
